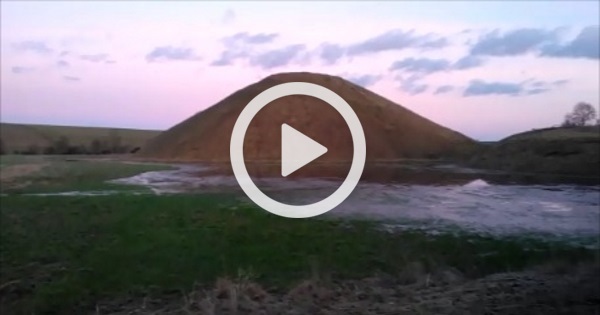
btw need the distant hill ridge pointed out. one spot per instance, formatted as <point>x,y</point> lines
<point>552,151</point>
<point>26,137</point>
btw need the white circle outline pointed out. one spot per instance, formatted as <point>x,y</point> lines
<point>236,150</point>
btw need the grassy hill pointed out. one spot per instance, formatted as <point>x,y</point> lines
<point>23,137</point>
<point>557,133</point>
<point>557,150</point>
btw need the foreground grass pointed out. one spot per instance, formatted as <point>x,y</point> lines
<point>61,174</point>
<point>61,254</point>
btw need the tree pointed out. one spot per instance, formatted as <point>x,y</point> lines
<point>96,146</point>
<point>582,114</point>
<point>114,141</point>
<point>568,122</point>
<point>32,149</point>
<point>61,146</point>
<point>2,148</point>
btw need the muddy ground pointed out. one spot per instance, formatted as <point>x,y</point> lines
<point>12,176</point>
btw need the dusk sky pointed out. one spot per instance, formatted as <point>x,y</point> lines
<point>486,69</point>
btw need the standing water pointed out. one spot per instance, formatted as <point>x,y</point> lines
<point>475,201</point>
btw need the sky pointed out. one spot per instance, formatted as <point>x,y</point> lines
<point>486,69</point>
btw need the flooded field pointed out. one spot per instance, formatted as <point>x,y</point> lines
<point>432,197</point>
<point>437,227</point>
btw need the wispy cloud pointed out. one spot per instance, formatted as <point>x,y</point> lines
<point>443,89</point>
<point>365,80</point>
<point>422,66</point>
<point>513,43</point>
<point>241,46</point>
<point>468,62</point>
<point>228,57</point>
<point>528,87</point>
<point>426,66</point>
<point>96,58</point>
<point>71,78</point>
<point>480,87</point>
<point>433,42</point>
<point>585,45</point>
<point>560,82</point>
<point>396,40</point>
<point>170,53</point>
<point>331,53</point>
<point>38,47</point>
<point>253,39</point>
<point>21,70</point>
<point>278,57</point>
<point>62,64</point>
<point>411,84</point>
<point>393,40</point>
<point>541,42</point>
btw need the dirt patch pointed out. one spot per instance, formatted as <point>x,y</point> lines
<point>12,176</point>
<point>541,291</point>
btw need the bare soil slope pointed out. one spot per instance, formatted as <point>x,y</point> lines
<point>391,131</point>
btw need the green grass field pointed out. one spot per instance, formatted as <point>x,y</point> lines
<point>60,174</point>
<point>9,160</point>
<point>65,253</point>
<point>61,255</point>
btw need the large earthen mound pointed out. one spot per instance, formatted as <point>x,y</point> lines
<point>392,132</point>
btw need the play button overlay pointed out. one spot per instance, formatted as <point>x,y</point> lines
<point>297,150</point>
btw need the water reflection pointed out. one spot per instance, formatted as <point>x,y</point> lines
<point>419,172</point>
<point>434,197</point>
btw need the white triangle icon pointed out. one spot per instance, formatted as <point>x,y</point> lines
<point>297,150</point>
